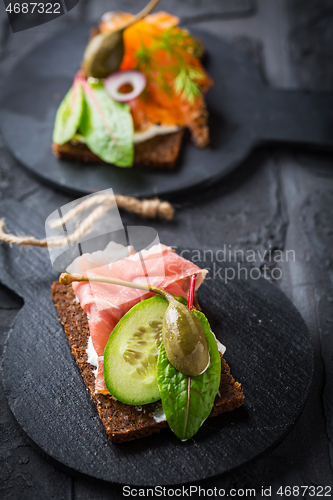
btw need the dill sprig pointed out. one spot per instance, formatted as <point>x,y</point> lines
<point>177,44</point>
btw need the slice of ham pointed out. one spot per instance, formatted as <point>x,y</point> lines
<point>106,304</point>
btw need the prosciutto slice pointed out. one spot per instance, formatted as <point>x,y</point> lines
<point>106,304</point>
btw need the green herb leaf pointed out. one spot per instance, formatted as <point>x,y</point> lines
<point>188,401</point>
<point>69,115</point>
<point>107,126</point>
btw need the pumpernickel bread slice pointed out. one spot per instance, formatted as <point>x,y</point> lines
<point>124,422</point>
<point>160,152</point>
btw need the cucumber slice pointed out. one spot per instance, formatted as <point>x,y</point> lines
<point>130,356</point>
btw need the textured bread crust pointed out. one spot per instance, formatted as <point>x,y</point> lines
<point>160,152</point>
<point>124,422</point>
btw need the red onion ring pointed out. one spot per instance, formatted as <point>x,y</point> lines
<point>113,82</point>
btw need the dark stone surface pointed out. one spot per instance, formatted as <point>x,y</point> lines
<point>311,43</point>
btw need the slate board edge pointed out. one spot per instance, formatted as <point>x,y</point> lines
<point>76,473</point>
<point>175,194</point>
<point>159,189</point>
<point>9,281</point>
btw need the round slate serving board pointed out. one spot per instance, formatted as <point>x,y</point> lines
<point>243,114</point>
<point>268,350</point>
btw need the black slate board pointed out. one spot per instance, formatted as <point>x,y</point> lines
<point>243,114</point>
<point>189,9</point>
<point>268,349</point>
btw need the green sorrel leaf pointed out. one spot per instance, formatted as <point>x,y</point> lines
<point>69,115</point>
<point>107,126</point>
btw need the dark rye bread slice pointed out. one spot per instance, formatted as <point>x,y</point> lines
<point>124,422</point>
<point>160,152</point>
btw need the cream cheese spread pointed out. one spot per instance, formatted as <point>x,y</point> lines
<point>92,355</point>
<point>221,347</point>
<point>159,415</point>
<point>153,131</point>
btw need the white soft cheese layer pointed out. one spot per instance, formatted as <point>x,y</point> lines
<point>221,347</point>
<point>92,355</point>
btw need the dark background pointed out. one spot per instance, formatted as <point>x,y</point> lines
<point>279,198</point>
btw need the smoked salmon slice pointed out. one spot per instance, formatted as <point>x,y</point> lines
<point>106,304</point>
